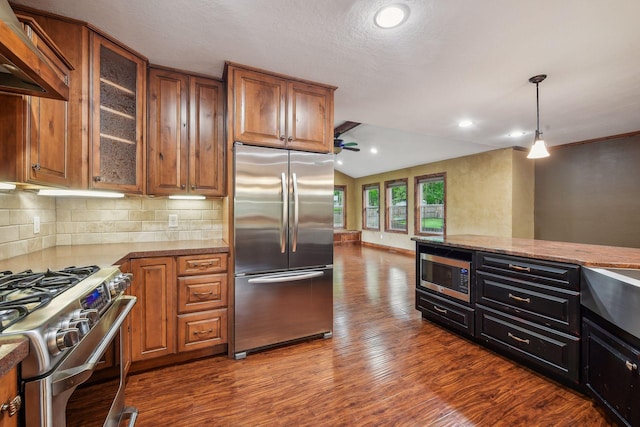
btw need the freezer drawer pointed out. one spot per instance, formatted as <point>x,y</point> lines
<point>276,308</point>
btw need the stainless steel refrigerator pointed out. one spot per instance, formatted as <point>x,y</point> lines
<point>283,232</point>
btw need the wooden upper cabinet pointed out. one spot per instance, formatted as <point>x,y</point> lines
<point>118,80</point>
<point>276,111</point>
<point>186,134</point>
<point>38,146</point>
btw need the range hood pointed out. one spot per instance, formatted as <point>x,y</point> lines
<point>23,68</point>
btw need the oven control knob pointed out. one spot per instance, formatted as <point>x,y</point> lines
<point>120,283</point>
<point>62,339</point>
<point>82,325</point>
<point>90,314</point>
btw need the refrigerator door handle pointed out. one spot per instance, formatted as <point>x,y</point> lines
<point>292,278</point>
<point>285,214</point>
<point>296,211</point>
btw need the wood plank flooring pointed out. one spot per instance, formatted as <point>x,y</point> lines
<point>383,366</point>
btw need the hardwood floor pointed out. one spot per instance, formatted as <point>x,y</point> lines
<point>383,366</point>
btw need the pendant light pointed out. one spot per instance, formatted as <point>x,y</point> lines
<point>538,149</point>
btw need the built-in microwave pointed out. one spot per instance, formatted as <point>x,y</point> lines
<point>448,276</point>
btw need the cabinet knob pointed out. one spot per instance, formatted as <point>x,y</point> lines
<point>161,156</point>
<point>12,407</point>
<point>97,178</point>
<point>35,166</point>
<point>183,186</point>
<point>193,187</point>
<point>631,366</point>
<point>290,139</point>
<point>281,137</point>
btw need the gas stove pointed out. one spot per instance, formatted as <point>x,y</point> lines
<point>55,309</point>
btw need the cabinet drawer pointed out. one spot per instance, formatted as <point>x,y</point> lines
<point>199,293</point>
<point>554,352</point>
<point>451,314</point>
<point>202,330</point>
<point>533,270</point>
<point>202,264</point>
<point>554,307</point>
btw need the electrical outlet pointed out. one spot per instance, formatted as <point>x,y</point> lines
<point>381,236</point>
<point>173,221</point>
<point>36,224</point>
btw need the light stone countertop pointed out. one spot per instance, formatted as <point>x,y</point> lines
<point>59,257</point>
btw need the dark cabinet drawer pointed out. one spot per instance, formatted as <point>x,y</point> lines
<point>610,372</point>
<point>553,307</point>
<point>547,272</point>
<point>456,316</point>
<point>554,352</point>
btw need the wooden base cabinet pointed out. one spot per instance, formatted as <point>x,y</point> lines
<point>181,310</point>
<point>610,372</point>
<point>153,326</point>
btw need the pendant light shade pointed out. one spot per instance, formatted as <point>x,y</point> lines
<point>538,149</point>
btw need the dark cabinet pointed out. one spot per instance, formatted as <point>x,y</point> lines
<point>530,309</point>
<point>451,314</point>
<point>610,372</point>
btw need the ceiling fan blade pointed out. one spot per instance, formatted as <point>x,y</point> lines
<point>351,148</point>
<point>349,144</point>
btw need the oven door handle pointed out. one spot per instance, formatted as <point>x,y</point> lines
<point>73,377</point>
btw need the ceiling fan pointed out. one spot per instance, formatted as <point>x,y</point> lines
<point>339,144</point>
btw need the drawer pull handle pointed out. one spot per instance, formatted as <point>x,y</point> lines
<point>522,340</point>
<point>202,264</point>
<point>517,298</point>
<point>201,294</point>
<point>519,268</point>
<point>441,310</point>
<point>631,366</point>
<point>12,407</point>
<point>208,331</point>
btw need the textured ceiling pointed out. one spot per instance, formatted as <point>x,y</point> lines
<point>409,86</point>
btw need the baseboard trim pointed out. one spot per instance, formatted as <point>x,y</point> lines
<point>407,252</point>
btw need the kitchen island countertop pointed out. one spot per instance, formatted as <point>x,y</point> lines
<point>59,257</point>
<point>576,253</point>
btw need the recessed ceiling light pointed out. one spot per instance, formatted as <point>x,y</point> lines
<point>391,16</point>
<point>339,162</point>
<point>465,123</point>
<point>517,134</point>
<point>374,150</point>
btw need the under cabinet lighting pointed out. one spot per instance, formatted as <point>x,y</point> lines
<point>79,193</point>
<point>465,123</point>
<point>7,186</point>
<point>186,197</point>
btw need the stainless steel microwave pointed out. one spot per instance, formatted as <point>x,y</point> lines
<point>448,276</point>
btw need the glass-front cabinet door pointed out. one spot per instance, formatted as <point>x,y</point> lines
<point>118,109</point>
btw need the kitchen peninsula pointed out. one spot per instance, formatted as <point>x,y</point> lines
<point>563,309</point>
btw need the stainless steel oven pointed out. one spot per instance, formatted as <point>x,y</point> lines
<point>72,318</point>
<point>445,275</point>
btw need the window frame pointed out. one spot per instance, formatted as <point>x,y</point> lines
<point>388,185</point>
<point>418,180</point>
<point>342,188</point>
<point>365,188</point>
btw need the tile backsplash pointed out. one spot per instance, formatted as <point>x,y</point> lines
<point>78,221</point>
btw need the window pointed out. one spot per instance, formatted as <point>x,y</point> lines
<point>396,205</point>
<point>339,206</point>
<point>371,207</point>
<point>430,204</point>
